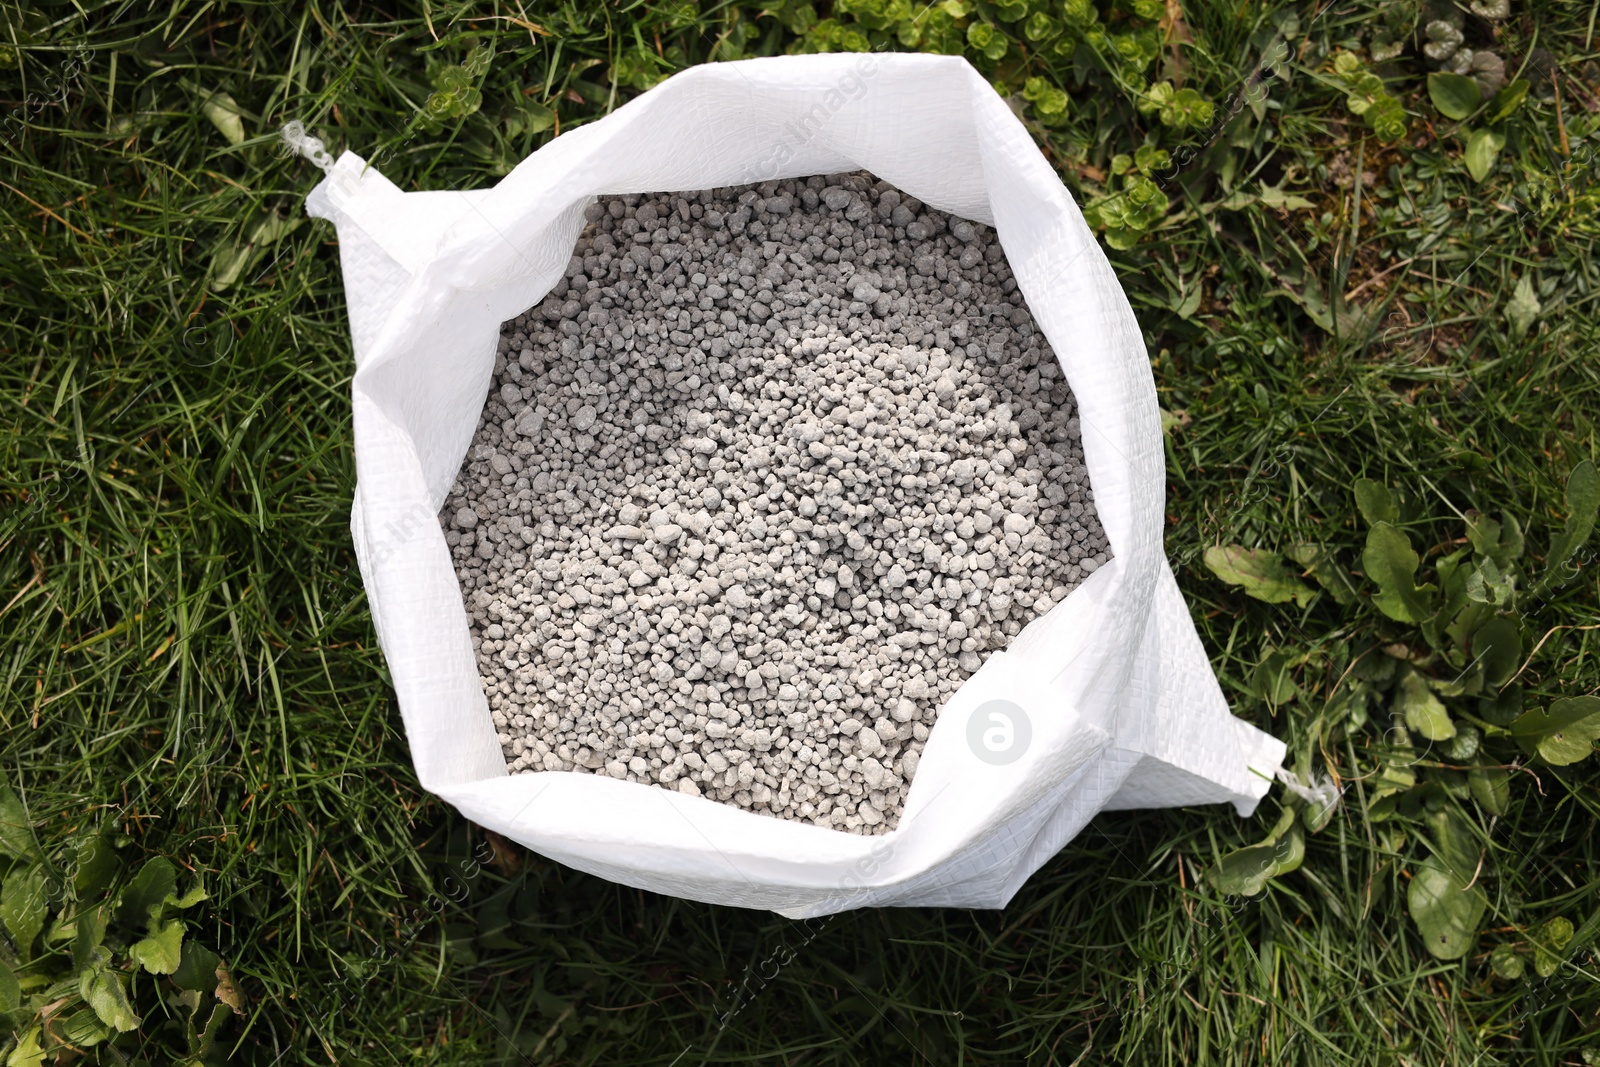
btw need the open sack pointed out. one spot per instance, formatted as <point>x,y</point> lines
<point>1106,702</point>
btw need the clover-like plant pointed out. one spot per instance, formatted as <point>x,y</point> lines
<point>1367,97</point>
<point>1049,102</point>
<point>1181,109</point>
<point>1129,213</point>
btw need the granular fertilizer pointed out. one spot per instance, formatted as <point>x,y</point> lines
<point>757,487</point>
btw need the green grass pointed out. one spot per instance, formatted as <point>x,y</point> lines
<point>187,659</point>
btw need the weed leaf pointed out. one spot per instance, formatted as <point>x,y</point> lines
<point>1375,502</point>
<point>197,968</point>
<point>224,113</point>
<point>16,829</point>
<point>1455,95</point>
<point>1246,871</point>
<point>1491,788</point>
<point>1550,941</point>
<point>1523,307</point>
<point>1497,646</point>
<point>1391,562</point>
<point>10,991</point>
<point>1483,147</point>
<point>1505,962</point>
<point>1272,680</point>
<point>1507,100</point>
<point>1583,506</point>
<point>153,884</point>
<point>162,950</point>
<point>1423,711</point>
<point>1259,572</point>
<point>23,906</point>
<point>1319,563</point>
<point>105,994</point>
<point>1565,733</point>
<point>28,1053</point>
<point>1443,906</point>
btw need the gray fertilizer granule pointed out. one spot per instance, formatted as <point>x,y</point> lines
<point>757,487</point>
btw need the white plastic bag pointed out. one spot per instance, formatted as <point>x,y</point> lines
<point>1106,702</point>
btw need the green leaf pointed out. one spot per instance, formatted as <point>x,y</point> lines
<point>28,1053</point>
<point>1565,733</point>
<point>1583,507</point>
<point>534,118</point>
<point>1503,709</point>
<point>197,969</point>
<point>1445,910</point>
<point>1391,562</point>
<point>194,896</point>
<point>1491,788</point>
<point>84,1029</point>
<point>162,950</point>
<point>1549,945</point>
<point>1272,680</point>
<point>1505,962</point>
<point>153,884</point>
<point>1423,711</point>
<point>1554,934</point>
<point>1259,572</point>
<point>10,991</point>
<point>23,905</point>
<point>1499,541</point>
<point>1123,239</point>
<point>224,113</point>
<point>1483,148</point>
<point>1524,307</point>
<point>1376,666</point>
<point>1375,502</point>
<point>97,866</point>
<point>16,829</point>
<point>89,935</point>
<point>1455,95</point>
<point>1318,561</point>
<point>1497,645</point>
<point>1149,159</point>
<point>103,990</point>
<point>1487,585</point>
<point>230,261</point>
<point>1246,871</point>
<point>213,1027</point>
<point>1275,197</point>
<point>1507,100</point>
<point>1464,745</point>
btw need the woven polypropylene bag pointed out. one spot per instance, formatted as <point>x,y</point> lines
<point>1115,701</point>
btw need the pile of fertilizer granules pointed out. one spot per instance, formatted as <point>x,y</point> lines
<point>757,487</point>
